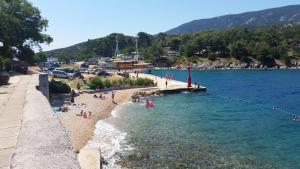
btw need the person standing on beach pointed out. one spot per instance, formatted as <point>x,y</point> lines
<point>113,96</point>
<point>166,83</point>
<point>73,94</point>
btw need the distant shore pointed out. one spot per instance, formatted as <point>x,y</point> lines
<point>238,67</point>
<point>227,64</point>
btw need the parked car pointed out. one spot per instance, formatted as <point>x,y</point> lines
<point>21,67</point>
<point>78,74</point>
<point>97,70</point>
<point>48,70</point>
<point>84,65</point>
<point>90,71</point>
<point>102,73</point>
<point>45,70</point>
<point>51,69</point>
<point>82,70</point>
<point>60,74</point>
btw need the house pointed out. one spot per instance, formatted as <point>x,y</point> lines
<point>172,53</point>
<point>92,61</point>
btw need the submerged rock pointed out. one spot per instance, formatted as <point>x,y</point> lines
<point>140,96</point>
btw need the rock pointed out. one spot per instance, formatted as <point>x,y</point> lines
<point>103,161</point>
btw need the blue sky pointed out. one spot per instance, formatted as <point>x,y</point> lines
<point>74,21</point>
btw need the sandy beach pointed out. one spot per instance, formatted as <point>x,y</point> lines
<point>81,130</point>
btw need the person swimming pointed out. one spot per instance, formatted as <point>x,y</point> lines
<point>149,103</point>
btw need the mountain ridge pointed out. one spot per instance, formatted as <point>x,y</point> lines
<point>267,17</point>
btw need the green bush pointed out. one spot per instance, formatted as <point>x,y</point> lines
<point>58,87</point>
<point>139,82</point>
<point>96,83</point>
<point>148,82</point>
<point>212,56</point>
<point>131,82</point>
<point>144,82</point>
<point>128,82</point>
<point>120,82</point>
<point>107,83</point>
<point>114,83</point>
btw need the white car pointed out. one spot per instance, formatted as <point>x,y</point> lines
<point>83,70</point>
<point>60,74</point>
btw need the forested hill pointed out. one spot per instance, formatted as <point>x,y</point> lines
<point>95,47</point>
<point>265,45</point>
<point>268,17</point>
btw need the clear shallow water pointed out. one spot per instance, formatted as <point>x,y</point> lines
<point>233,125</point>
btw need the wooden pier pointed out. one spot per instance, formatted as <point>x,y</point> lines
<point>173,86</point>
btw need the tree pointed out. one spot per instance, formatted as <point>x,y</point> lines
<point>263,54</point>
<point>21,28</point>
<point>144,39</point>
<point>175,43</point>
<point>153,52</point>
<point>238,50</point>
<point>40,57</point>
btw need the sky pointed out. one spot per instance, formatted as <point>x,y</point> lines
<point>75,21</point>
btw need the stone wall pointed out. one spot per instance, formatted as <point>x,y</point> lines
<point>44,85</point>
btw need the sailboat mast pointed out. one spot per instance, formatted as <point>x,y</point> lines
<point>136,49</point>
<point>117,47</point>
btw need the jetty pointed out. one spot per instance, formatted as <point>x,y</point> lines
<point>173,86</point>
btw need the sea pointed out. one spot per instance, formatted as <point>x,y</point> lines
<point>246,119</point>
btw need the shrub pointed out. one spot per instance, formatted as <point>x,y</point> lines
<point>107,83</point>
<point>131,82</point>
<point>96,83</point>
<point>148,82</point>
<point>212,56</point>
<point>120,82</point>
<point>58,87</point>
<point>144,82</point>
<point>139,82</point>
<point>126,81</point>
<point>114,83</point>
<point>4,78</point>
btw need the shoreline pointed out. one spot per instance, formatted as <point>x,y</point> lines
<point>80,130</point>
<point>225,68</point>
<point>105,142</point>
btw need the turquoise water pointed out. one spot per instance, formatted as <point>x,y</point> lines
<point>246,119</point>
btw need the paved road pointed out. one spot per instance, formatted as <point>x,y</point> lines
<point>12,98</point>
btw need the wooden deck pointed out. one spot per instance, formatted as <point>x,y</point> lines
<point>173,86</point>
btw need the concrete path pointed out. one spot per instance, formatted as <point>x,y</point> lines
<point>42,143</point>
<point>172,84</point>
<point>11,112</point>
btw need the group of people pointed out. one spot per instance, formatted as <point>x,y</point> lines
<point>170,76</point>
<point>103,97</point>
<point>86,115</point>
<point>63,108</point>
<point>100,96</point>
